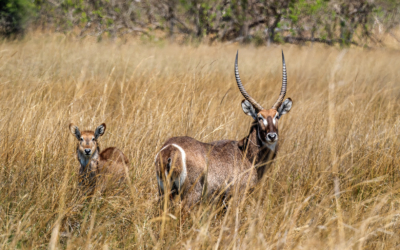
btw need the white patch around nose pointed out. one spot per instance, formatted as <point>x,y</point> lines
<point>271,146</point>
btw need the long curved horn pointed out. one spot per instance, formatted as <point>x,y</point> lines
<point>278,102</point>
<point>257,106</point>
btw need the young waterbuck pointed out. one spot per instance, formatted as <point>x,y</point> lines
<point>192,168</point>
<point>98,169</point>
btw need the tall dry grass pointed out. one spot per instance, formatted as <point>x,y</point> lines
<point>334,185</point>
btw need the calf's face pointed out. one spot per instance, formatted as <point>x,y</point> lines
<point>87,140</point>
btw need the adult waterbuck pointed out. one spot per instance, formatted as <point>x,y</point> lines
<point>192,168</point>
<point>97,169</point>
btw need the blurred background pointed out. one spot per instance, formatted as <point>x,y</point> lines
<point>352,22</point>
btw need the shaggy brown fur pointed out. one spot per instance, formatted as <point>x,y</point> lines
<point>195,169</point>
<point>212,168</point>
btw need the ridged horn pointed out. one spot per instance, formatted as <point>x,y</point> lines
<point>253,102</point>
<point>278,102</point>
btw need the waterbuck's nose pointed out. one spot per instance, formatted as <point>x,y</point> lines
<point>87,151</point>
<point>272,136</point>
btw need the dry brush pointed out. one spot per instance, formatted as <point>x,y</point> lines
<point>335,183</point>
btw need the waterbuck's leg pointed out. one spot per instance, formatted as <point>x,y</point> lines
<point>160,199</point>
<point>193,196</point>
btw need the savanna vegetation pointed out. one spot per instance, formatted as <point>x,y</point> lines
<point>355,22</point>
<point>334,185</point>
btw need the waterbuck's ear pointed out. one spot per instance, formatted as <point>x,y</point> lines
<point>75,131</point>
<point>100,130</point>
<point>285,107</point>
<point>248,109</point>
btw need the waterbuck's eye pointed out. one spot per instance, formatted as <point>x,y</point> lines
<point>81,139</point>
<point>93,139</point>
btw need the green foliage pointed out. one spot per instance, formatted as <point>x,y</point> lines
<point>332,21</point>
<point>227,13</point>
<point>84,18</point>
<point>305,8</point>
<point>278,38</point>
<point>14,15</point>
<point>258,39</point>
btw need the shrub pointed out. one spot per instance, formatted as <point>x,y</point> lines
<point>13,16</point>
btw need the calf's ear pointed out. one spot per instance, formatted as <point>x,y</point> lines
<point>75,131</point>
<point>100,131</point>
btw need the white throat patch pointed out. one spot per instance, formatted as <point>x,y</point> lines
<point>271,146</point>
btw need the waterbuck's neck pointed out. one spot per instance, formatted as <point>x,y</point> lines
<point>257,152</point>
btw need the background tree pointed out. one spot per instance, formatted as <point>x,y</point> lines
<point>343,22</point>
<point>13,16</point>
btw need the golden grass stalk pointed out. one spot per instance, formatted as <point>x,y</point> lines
<point>334,184</point>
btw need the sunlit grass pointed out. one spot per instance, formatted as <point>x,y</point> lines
<point>334,185</point>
